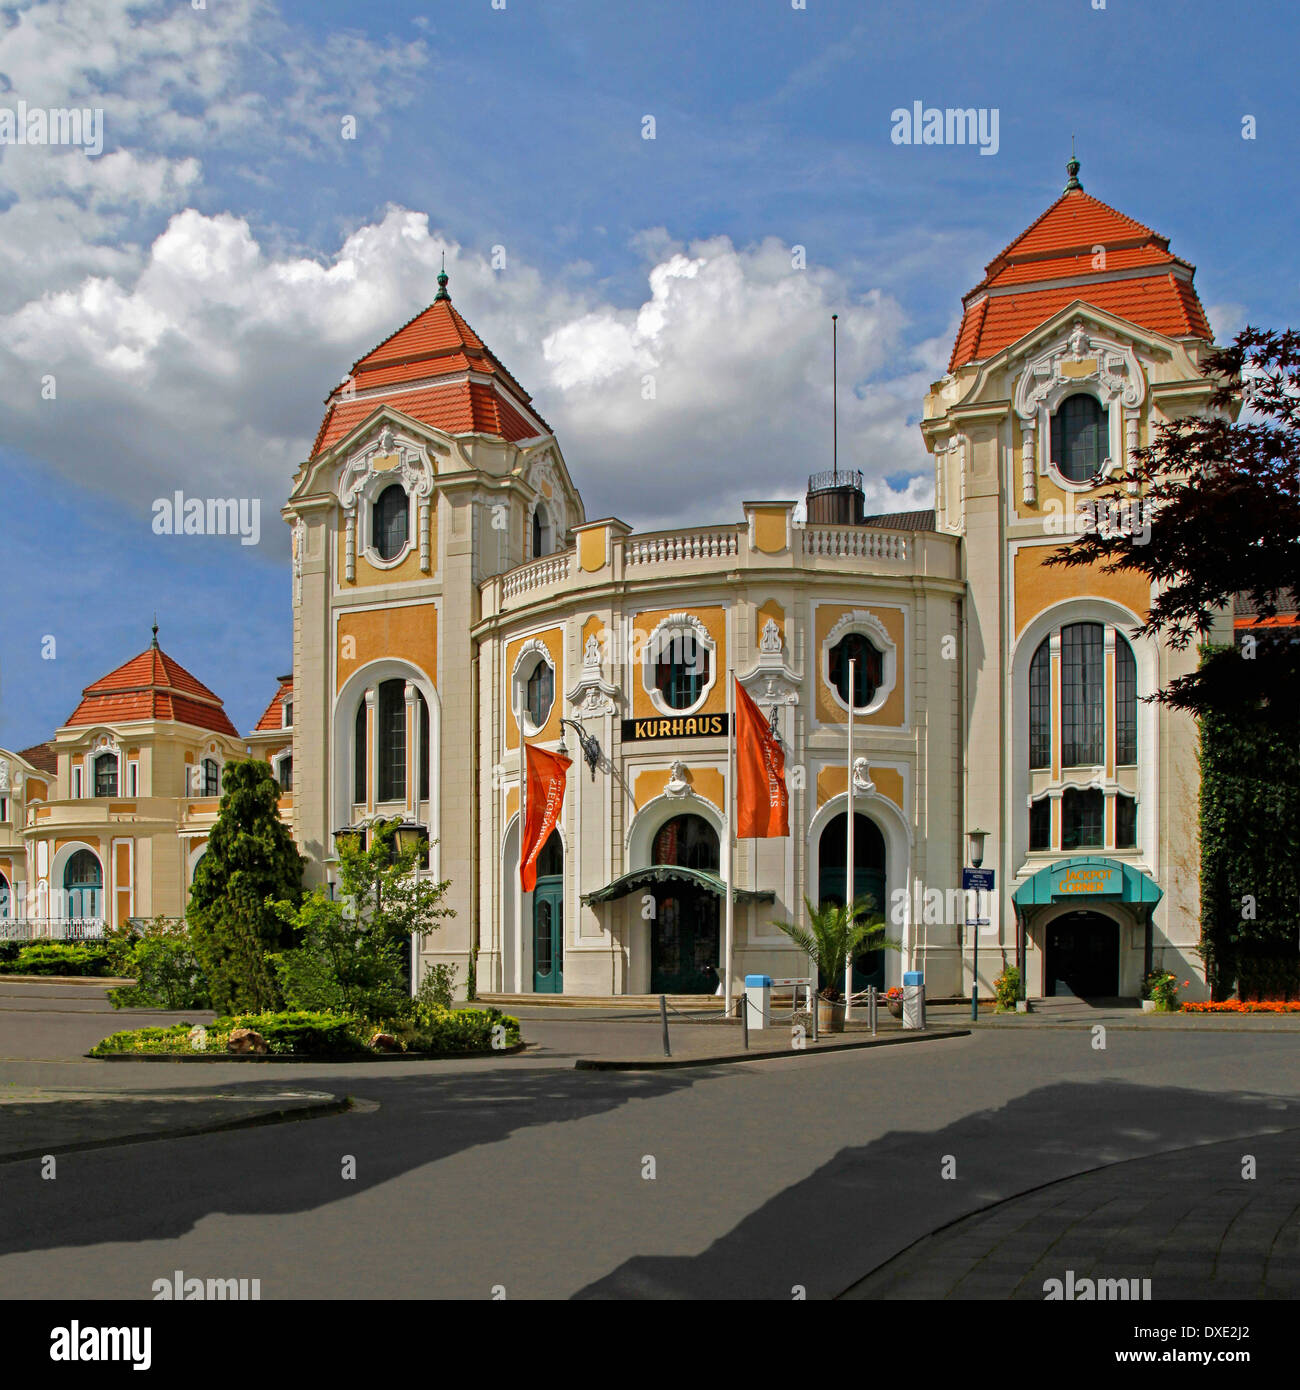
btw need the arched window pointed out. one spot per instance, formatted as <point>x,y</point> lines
<point>1079,437</point>
<point>551,859</point>
<point>391,768</point>
<point>681,666</point>
<point>1083,718</point>
<point>539,531</point>
<point>1126,726</point>
<point>359,756</point>
<point>390,520</point>
<point>285,774</point>
<point>688,841</point>
<point>83,884</point>
<point>424,747</point>
<point>1040,706</point>
<point>867,672</point>
<point>211,777</point>
<point>106,774</point>
<point>1081,818</point>
<point>4,896</point>
<point>539,693</point>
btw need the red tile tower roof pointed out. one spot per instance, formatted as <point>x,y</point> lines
<point>151,686</point>
<point>1054,262</point>
<point>436,369</point>
<point>273,716</point>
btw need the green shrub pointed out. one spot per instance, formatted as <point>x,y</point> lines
<point>1006,990</point>
<point>438,986</point>
<point>165,967</point>
<point>438,1029</point>
<point>1162,986</point>
<point>9,952</point>
<point>299,1031</point>
<point>58,958</point>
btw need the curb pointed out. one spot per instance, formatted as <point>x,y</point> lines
<point>330,1058</point>
<point>314,1111</point>
<point>672,1063</point>
<point>104,981</point>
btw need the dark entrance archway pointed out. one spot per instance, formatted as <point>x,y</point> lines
<point>548,918</point>
<point>868,882</point>
<point>1082,957</point>
<point>684,936</point>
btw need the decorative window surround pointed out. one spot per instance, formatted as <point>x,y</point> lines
<point>523,668</point>
<point>359,486</point>
<point>673,626</point>
<point>1116,379</point>
<point>869,626</point>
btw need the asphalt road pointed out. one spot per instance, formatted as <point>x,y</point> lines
<point>519,1174</point>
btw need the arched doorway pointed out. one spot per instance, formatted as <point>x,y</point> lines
<point>1082,956</point>
<point>83,885</point>
<point>684,934</point>
<point>548,918</point>
<point>4,896</point>
<point>868,882</point>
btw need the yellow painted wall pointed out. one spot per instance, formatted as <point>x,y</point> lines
<point>1038,586</point>
<point>553,640</point>
<point>834,781</point>
<point>512,802</point>
<point>829,710</point>
<point>714,620</point>
<point>708,782</point>
<point>409,633</point>
<point>771,609</point>
<point>770,530</point>
<point>593,549</point>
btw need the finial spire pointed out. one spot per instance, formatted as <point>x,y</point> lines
<point>155,629</point>
<point>442,281</point>
<point>1072,168</point>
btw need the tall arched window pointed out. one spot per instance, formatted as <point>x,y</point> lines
<point>541,532</point>
<point>83,884</point>
<point>359,756</point>
<point>390,781</point>
<point>106,774</point>
<point>211,777</point>
<point>1126,726</point>
<point>390,520</point>
<point>424,747</point>
<point>868,670</point>
<point>1083,717</point>
<point>1040,706</point>
<point>1079,437</point>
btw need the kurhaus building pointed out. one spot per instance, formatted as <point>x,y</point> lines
<point>452,601</point>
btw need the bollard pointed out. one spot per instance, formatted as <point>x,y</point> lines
<point>871,1008</point>
<point>744,1018</point>
<point>812,1007</point>
<point>663,1014</point>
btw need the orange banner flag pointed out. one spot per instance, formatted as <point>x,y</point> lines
<point>762,801</point>
<point>545,797</point>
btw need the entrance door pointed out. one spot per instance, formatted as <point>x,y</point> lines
<point>684,941</point>
<point>1082,957</point>
<point>83,885</point>
<point>548,936</point>
<point>868,882</point>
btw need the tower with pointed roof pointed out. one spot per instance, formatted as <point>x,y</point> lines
<point>1083,334</point>
<point>431,471</point>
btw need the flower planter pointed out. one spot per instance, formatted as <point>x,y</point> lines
<point>1148,1006</point>
<point>895,1007</point>
<point>830,1016</point>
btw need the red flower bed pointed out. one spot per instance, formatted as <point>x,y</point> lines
<point>1244,1006</point>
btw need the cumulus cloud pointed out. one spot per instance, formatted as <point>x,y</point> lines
<point>207,369</point>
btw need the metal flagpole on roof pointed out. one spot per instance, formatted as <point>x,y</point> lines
<point>849,883</point>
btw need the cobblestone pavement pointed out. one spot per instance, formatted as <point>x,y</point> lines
<point>1189,1221</point>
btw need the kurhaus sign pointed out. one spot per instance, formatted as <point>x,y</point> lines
<point>675,726</point>
<point>1090,879</point>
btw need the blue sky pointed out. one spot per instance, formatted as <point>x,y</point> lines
<point>196,289</point>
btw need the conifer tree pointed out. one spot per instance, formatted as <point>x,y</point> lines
<point>250,864</point>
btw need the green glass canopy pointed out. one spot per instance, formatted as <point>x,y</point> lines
<point>674,873</point>
<point>1088,877</point>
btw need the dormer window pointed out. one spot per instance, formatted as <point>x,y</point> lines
<point>390,522</point>
<point>106,774</point>
<point>286,714</point>
<point>1079,429</point>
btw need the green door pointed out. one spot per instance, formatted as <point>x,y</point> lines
<point>548,935</point>
<point>868,968</point>
<point>684,941</point>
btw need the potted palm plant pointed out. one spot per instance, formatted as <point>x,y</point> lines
<point>835,933</point>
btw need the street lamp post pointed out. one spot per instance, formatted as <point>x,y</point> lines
<point>976,839</point>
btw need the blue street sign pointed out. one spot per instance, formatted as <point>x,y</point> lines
<point>981,880</point>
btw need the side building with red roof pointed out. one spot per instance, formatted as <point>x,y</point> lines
<point>108,820</point>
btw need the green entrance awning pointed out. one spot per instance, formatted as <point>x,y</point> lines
<point>674,873</point>
<point>1085,878</point>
